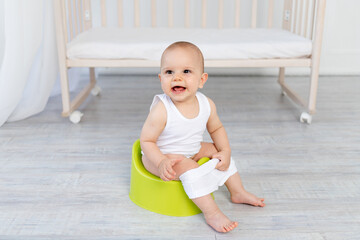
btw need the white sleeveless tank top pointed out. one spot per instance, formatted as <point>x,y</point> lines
<point>182,135</point>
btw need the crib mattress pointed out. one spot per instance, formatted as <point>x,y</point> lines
<point>219,44</point>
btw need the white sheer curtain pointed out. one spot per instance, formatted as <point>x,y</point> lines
<point>28,57</point>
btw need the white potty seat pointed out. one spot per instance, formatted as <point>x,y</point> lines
<point>205,179</point>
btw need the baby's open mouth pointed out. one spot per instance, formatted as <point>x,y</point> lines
<point>178,89</point>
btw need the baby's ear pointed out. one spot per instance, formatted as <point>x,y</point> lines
<point>159,77</point>
<point>204,78</point>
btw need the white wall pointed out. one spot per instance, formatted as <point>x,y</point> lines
<point>2,35</point>
<point>341,43</point>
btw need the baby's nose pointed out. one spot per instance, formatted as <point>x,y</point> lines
<point>177,77</point>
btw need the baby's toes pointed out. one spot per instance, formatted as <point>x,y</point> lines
<point>230,226</point>
<point>261,203</point>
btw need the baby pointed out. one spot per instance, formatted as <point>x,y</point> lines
<point>172,136</point>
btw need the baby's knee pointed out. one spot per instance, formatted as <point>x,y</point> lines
<point>150,166</point>
<point>185,165</point>
<point>190,163</point>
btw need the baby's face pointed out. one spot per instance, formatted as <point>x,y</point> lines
<point>181,73</point>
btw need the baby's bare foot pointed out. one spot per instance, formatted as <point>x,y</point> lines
<point>247,198</point>
<point>220,222</point>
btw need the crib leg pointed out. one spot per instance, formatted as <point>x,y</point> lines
<point>314,78</point>
<point>69,107</point>
<point>315,56</point>
<point>75,116</point>
<point>306,117</point>
<point>80,98</point>
<point>313,89</point>
<point>92,75</point>
<point>281,79</point>
<point>287,91</point>
<point>65,93</point>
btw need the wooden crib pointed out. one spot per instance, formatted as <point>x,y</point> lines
<point>82,44</point>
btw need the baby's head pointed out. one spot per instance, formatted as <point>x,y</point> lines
<point>188,47</point>
<point>182,71</point>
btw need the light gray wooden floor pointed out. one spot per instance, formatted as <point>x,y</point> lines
<point>64,181</point>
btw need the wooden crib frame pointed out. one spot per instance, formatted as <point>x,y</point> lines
<point>302,17</point>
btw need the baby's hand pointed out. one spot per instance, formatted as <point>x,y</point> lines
<point>224,160</point>
<point>166,170</point>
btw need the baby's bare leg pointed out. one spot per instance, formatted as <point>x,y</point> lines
<point>234,183</point>
<point>207,150</point>
<point>184,165</point>
<point>239,194</point>
<point>150,166</point>
<point>213,216</point>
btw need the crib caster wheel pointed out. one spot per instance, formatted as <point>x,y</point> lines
<point>96,90</point>
<point>305,118</point>
<point>75,116</point>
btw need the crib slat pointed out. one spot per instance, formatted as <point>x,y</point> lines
<point>170,13</point>
<point>254,14</point>
<point>103,13</point>
<point>187,13</point>
<point>137,13</point>
<point>75,17</point>
<point>270,13</point>
<point>70,20</point>
<point>295,17</point>
<point>221,14</point>
<point>153,13</point>
<point>63,18</point>
<point>120,13</point>
<point>80,16</point>
<point>306,16</point>
<point>312,19</point>
<point>298,31</point>
<point>203,13</point>
<point>287,15</point>
<point>237,13</point>
<point>87,14</point>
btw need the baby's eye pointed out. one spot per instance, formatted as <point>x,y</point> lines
<point>168,72</point>
<point>186,71</point>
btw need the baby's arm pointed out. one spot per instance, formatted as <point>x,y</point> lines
<point>153,126</point>
<point>219,137</point>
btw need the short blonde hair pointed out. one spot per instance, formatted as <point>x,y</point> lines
<point>183,44</point>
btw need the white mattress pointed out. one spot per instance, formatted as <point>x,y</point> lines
<point>149,43</point>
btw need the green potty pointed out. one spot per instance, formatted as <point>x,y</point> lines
<point>150,192</point>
